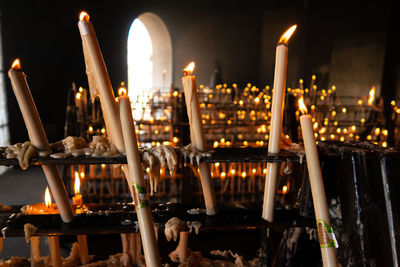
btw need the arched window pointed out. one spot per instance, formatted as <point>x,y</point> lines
<point>149,61</point>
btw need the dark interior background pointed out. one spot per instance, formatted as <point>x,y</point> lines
<point>352,44</point>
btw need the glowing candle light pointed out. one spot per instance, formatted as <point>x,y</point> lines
<point>38,138</point>
<point>47,198</point>
<point>77,199</point>
<point>371,96</point>
<point>284,189</point>
<point>301,83</point>
<point>276,121</point>
<point>325,232</point>
<point>197,135</point>
<point>122,91</point>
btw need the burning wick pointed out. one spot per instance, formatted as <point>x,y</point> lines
<point>16,65</point>
<point>122,91</point>
<point>47,197</point>
<point>302,106</point>
<point>77,199</point>
<point>77,183</point>
<point>189,69</point>
<point>84,16</point>
<point>371,96</point>
<point>286,36</point>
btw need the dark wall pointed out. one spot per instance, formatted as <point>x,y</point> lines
<point>241,35</point>
<point>45,36</point>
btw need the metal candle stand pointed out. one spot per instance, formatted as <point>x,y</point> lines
<point>361,182</point>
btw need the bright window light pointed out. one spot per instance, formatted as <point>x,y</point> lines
<point>140,68</point>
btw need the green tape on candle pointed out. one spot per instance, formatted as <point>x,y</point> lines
<point>141,200</point>
<point>326,235</point>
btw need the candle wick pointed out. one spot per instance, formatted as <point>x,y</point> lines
<point>185,73</point>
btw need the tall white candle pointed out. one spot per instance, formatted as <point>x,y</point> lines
<point>136,178</point>
<point>325,233</point>
<point>278,98</point>
<point>102,81</point>
<point>197,136</point>
<point>38,138</point>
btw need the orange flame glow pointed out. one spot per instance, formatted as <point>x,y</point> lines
<point>47,197</point>
<point>77,183</point>
<point>371,97</point>
<point>284,189</point>
<point>286,36</point>
<point>189,68</point>
<point>84,16</point>
<point>302,106</point>
<point>16,65</point>
<point>78,95</point>
<point>122,91</point>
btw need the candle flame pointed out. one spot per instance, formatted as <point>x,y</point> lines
<point>84,16</point>
<point>302,106</point>
<point>284,189</point>
<point>371,96</point>
<point>122,91</point>
<point>78,95</point>
<point>189,68</point>
<point>77,183</point>
<point>286,36</point>
<point>16,65</point>
<point>47,197</point>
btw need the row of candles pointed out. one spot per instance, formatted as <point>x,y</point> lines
<point>332,120</point>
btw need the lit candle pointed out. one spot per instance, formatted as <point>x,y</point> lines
<point>136,179</point>
<point>278,98</point>
<point>38,138</point>
<point>325,233</point>
<point>82,240</point>
<point>97,68</point>
<point>197,136</point>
